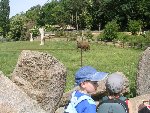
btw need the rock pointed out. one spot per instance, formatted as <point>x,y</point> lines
<point>14,100</point>
<point>60,110</point>
<point>66,97</point>
<point>42,77</point>
<point>143,74</point>
<point>136,101</point>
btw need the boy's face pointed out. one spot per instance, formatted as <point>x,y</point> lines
<point>90,86</point>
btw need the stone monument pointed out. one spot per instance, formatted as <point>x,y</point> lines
<point>31,37</point>
<point>41,30</point>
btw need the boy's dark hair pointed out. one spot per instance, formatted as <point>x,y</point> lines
<point>114,83</point>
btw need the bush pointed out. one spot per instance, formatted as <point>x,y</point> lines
<point>49,28</point>
<point>123,37</point>
<point>134,26</point>
<point>110,31</point>
<point>100,37</point>
<point>35,31</point>
<point>89,35</point>
<point>59,33</point>
<point>17,29</point>
<point>1,31</point>
<point>147,39</point>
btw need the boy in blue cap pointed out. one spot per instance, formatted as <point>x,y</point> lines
<point>81,102</point>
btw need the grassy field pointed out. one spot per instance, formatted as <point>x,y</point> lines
<point>102,57</point>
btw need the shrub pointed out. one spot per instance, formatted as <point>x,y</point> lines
<point>59,33</point>
<point>35,31</point>
<point>100,37</point>
<point>147,39</point>
<point>49,28</point>
<point>17,29</point>
<point>134,26</point>
<point>110,31</point>
<point>1,31</point>
<point>122,37</point>
<point>89,35</point>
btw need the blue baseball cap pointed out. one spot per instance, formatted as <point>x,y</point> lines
<point>88,73</point>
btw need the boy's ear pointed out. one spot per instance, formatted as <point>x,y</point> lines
<point>83,84</point>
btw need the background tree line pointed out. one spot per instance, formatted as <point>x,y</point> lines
<point>81,14</point>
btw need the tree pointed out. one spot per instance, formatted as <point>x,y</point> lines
<point>46,13</point>
<point>4,16</point>
<point>17,28</point>
<point>144,13</point>
<point>33,13</point>
<point>79,12</point>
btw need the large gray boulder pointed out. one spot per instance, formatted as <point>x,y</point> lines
<point>42,77</point>
<point>143,74</point>
<point>60,110</point>
<point>14,100</point>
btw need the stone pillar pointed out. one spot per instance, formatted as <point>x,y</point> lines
<point>99,26</point>
<point>41,30</point>
<point>31,38</point>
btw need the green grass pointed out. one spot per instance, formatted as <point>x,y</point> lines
<point>103,58</point>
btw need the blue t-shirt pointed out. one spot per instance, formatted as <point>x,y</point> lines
<point>85,106</point>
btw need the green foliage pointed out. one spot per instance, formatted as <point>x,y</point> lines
<point>72,36</point>
<point>100,37</point>
<point>72,12</point>
<point>49,28</point>
<point>33,13</point>
<point>8,61</point>
<point>134,41</point>
<point>1,30</point>
<point>35,31</point>
<point>48,13</point>
<point>144,12</point>
<point>89,35</point>
<point>124,38</point>
<point>60,33</point>
<point>134,26</point>
<point>17,29</point>
<point>147,34</point>
<point>110,31</point>
<point>146,39</point>
<point>86,19</point>
<point>4,16</point>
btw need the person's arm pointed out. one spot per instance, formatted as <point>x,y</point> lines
<point>130,107</point>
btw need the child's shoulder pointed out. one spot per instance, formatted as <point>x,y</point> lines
<point>79,94</point>
<point>84,97</point>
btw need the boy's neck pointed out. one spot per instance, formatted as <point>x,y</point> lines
<point>114,96</point>
<point>83,91</point>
